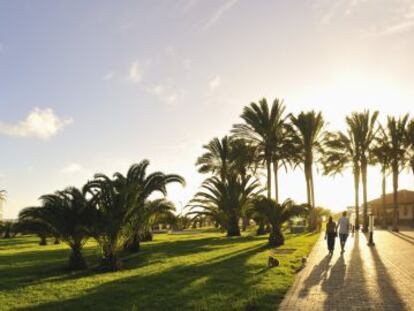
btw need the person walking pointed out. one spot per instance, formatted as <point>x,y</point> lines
<point>343,230</point>
<point>330,235</point>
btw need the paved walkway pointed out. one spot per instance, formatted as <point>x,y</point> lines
<point>364,278</point>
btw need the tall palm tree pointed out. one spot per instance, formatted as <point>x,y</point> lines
<point>365,129</point>
<point>396,131</point>
<point>224,200</point>
<point>277,214</point>
<point>341,152</point>
<point>308,140</point>
<point>69,214</point>
<point>216,158</point>
<point>410,141</point>
<point>381,155</point>
<point>266,128</point>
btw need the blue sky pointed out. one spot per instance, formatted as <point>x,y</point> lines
<point>93,86</point>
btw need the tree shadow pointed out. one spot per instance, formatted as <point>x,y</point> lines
<point>389,295</point>
<point>224,278</point>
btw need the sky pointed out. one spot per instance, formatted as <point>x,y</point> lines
<point>94,86</point>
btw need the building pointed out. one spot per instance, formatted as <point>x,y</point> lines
<point>406,208</point>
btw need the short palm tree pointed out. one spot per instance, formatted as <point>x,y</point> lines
<point>70,215</point>
<point>277,214</point>
<point>29,223</point>
<point>224,200</point>
<point>308,140</point>
<point>266,128</point>
<point>365,130</point>
<point>143,185</point>
<point>396,131</point>
<point>341,152</point>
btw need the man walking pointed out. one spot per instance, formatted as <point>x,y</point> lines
<point>343,230</point>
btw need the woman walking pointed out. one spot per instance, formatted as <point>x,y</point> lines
<point>330,235</point>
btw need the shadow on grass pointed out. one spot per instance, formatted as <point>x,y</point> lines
<point>222,279</point>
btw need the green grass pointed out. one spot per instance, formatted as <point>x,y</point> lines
<point>202,271</point>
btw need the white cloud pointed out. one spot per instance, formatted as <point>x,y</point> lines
<point>215,82</point>
<point>108,76</point>
<point>214,18</point>
<point>165,93</point>
<point>72,168</point>
<point>42,124</point>
<point>135,72</point>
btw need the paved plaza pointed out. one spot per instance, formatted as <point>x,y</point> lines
<point>364,278</point>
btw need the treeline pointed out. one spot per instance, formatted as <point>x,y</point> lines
<point>268,138</point>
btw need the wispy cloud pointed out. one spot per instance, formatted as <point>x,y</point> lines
<point>215,82</point>
<point>72,168</point>
<point>166,93</point>
<point>41,124</point>
<point>135,72</point>
<point>218,13</point>
<point>108,76</point>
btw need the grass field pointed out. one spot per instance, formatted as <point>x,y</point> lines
<point>198,271</point>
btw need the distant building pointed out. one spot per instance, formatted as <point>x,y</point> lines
<point>405,203</point>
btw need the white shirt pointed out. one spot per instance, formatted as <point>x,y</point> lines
<point>343,225</point>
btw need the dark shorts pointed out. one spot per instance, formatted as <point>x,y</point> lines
<point>343,237</point>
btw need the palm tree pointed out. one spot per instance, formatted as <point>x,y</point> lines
<point>341,152</point>
<point>396,132</point>
<point>277,214</point>
<point>224,200</point>
<point>365,131</point>
<point>70,215</point>
<point>216,158</point>
<point>143,186</point>
<point>410,141</point>
<point>266,129</point>
<point>308,141</point>
<point>30,223</point>
<point>119,201</point>
<point>381,155</point>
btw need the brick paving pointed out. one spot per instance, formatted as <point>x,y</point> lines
<point>364,278</point>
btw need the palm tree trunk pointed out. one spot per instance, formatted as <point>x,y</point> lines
<point>276,237</point>
<point>261,228</point>
<point>233,226</point>
<point>356,185</point>
<point>276,177</point>
<point>269,179</point>
<point>395,197</point>
<point>308,191</point>
<point>312,186</point>
<point>384,192</point>
<point>43,240</point>
<point>308,177</point>
<point>76,260</point>
<point>364,174</point>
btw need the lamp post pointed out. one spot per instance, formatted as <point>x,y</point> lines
<point>371,230</point>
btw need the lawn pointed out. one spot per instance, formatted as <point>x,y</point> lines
<point>195,271</point>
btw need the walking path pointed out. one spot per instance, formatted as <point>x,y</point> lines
<point>364,278</point>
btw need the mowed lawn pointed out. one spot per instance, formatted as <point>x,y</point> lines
<point>194,271</point>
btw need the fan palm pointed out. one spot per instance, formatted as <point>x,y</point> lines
<point>266,128</point>
<point>396,131</point>
<point>365,129</point>
<point>277,215</point>
<point>341,152</point>
<point>223,200</point>
<point>308,141</point>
